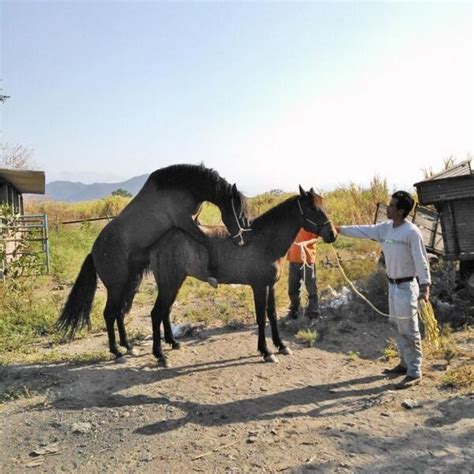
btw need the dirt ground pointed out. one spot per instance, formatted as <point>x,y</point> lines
<point>220,408</point>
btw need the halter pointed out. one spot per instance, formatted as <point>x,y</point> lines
<point>309,220</point>
<point>241,229</point>
<point>302,244</point>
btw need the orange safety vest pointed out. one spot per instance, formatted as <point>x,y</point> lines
<point>294,254</point>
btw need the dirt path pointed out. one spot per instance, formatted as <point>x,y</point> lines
<point>219,408</point>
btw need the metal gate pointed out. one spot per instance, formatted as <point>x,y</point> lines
<point>22,236</point>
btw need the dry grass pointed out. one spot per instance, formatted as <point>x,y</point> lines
<point>460,378</point>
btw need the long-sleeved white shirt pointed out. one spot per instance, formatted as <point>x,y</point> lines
<point>405,253</point>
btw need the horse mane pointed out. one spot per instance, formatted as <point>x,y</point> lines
<point>205,183</point>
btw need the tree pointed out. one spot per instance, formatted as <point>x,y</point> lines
<point>16,156</point>
<point>121,192</point>
<point>3,97</point>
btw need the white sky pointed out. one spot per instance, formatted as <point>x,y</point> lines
<point>271,95</point>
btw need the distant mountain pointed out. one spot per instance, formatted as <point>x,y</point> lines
<point>68,191</point>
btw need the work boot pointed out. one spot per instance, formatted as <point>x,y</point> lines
<point>408,382</point>
<point>397,370</point>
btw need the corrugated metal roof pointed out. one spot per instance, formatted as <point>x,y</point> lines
<point>460,169</point>
<point>26,181</point>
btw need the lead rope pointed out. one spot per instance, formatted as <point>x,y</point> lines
<point>304,259</point>
<point>359,293</point>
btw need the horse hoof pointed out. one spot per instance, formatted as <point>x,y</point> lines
<point>285,351</point>
<point>121,359</point>
<point>270,358</point>
<point>176,345</point>
<point>165,363</point>
<point>132,352</point>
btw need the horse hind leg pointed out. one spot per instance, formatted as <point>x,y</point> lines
<point>111,311</point>
<point>127,295</point>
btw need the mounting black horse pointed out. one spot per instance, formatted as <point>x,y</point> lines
<point>177,256</point>
<point>169,199</point>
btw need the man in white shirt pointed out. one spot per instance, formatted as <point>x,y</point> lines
<point>409,280</point>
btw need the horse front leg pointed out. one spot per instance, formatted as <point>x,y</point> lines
<point>272,317</point>
<point>169,336</point>
<point>124,342</point>
<point>260,295</point>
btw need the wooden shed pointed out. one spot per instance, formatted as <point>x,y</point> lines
<point>452,194</point>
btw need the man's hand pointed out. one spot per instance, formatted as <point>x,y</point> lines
<point>424,293</point>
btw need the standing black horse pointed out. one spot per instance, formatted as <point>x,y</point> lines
<point>169,199</point>
<point>177,256</point>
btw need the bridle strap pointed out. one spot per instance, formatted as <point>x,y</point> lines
<point>324,224</point>
<point>241,229</point>
<point>299,206</point>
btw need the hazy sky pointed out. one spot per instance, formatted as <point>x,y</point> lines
<point>270,94</point>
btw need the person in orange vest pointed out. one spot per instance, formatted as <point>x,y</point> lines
<point>302,267</point>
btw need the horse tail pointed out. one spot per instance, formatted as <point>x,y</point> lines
<point>76,312</point>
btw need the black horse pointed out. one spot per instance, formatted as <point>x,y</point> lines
<point>120,255</point>
<point>177,256</point>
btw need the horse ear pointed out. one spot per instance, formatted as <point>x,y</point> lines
<point>312,191</point>
<point>234,190</point>
<point>302,191</point>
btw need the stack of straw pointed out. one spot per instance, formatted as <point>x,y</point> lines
<point>425,310</point>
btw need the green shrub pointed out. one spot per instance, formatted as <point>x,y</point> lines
<point>307,336</point>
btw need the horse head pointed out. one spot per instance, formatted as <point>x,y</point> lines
<point>313,215</point>
<point>235,215</point>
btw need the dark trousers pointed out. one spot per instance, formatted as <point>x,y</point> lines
<point>294,286</point>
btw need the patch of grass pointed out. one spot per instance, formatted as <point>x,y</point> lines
<point>460,378</point>
<point>16,393</point>
<point>30,314</point>
<point>390,351</point>
<point>353,355</point>
<point>225,312</point>
<point>449,352</point>
<point>137,335</point>
<point>200,315</point>
<point>447,348</point>
<point>25,317</point>
<point>69,246</point>
<point>146,296</point>
<point>307,336</point>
